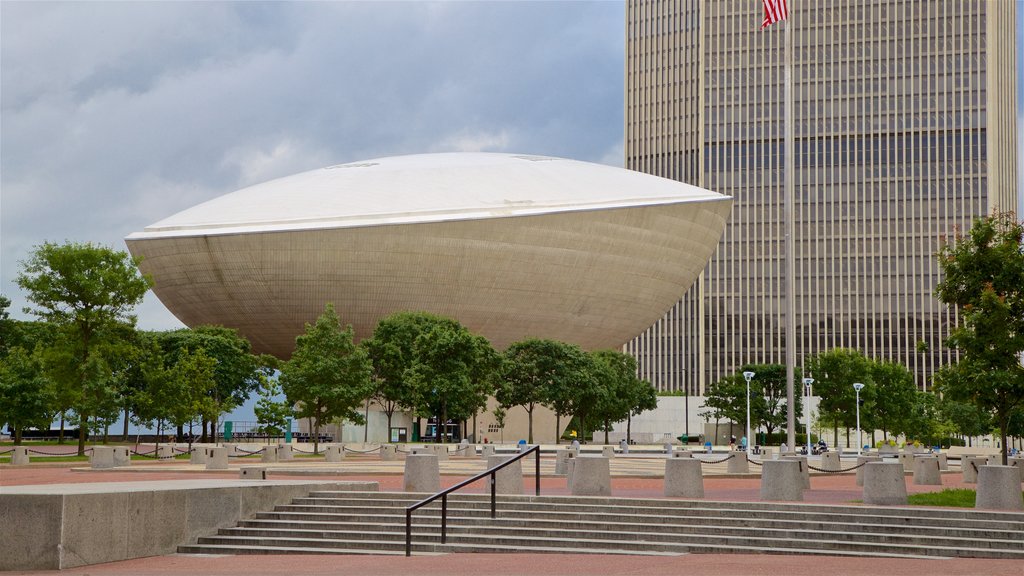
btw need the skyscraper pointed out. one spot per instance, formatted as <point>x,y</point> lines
<point>905,128</point>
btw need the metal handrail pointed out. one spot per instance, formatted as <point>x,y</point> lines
<point>443,495</point>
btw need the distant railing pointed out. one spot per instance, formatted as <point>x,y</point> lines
<point>443,495</point>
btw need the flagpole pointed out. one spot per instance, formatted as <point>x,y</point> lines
<point>789,183</point>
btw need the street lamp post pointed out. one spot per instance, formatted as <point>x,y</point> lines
<point>857,386</point>
<point>749,376</point>
<point>807,411</point>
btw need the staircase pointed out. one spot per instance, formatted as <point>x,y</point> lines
<point>374,523</point>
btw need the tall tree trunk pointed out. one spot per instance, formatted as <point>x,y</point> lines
<point>607,425</point>
<point>202,437</point>
<point>530,421</point>
<point>366,424</point>
<point>83,425</point>
<point>558,428</point>
<point>60,435</point>
<point>124,430</point>
<point>629,424</point>
<point>17,436</point>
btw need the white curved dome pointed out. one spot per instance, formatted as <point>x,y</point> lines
<point>513,246</point>
<point>424,188</point>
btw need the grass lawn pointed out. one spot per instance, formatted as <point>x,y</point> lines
<point>956,497</point>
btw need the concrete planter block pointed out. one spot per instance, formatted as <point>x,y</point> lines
<point>884,484</point>
<point>422,473</point>
<point>738,464</point>
<point>766,453</point>
<point>284,452</point>
<point>232,448</point>
<point>782,480</point>
<point>20,456</point>
<point>860,471</point>
<point>562,458</point>
<point>216,458</point>
<point>970,466</point>
<point>388,452</point>
<point>1018,463</point>
<point>165,452</point>
<point>999,488</point>
<point>608,452</point>
<point>486,451</point>
<point>252,472</point>
<point>803,468</point>
<point>830,461</point>
<point>994,460</point>
<point>943,461</point>
<point>591,476</point>
<point>684,478</point>
<point>102,457</point>
<point>270,454</point>
<point>334,453</point>
<point>508,480</point>
<point>441,450</point>
<point>681,454</point>
<point>907,460</point>
<point>926,471</point>
<point>198,455</point>
<point>122,456</point>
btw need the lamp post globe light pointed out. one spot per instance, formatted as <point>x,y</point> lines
<point>807,411</point>
<point>857,386</point>
<point>748,376</point>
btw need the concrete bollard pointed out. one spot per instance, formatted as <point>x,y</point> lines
<point>216,458</point>
<point>681,454</point>
<point>165,452</point>
<point>284,452</point>
<point>782,480</point>
<point>334,452</point>
<point>1018,463</point>
<point>562,458</point>
<point>830,461</point>
<point>926,471</point>
<point>252,473</point>
<point>441,450</point>
<point>738,464</point>
<point>122,456</point>
<point>684,478</point>
<point>969,466</point>
<point>232,448</point>
<point>198,455</point>
<point>102,457</point>
<point>388,452</point>
<point>20,456</point>
<point>864,460</point>
<point>884,484</point>
<point>422,473</point>
<point>486,451</point>
<point>608,452</point>
<point>943,461</point>
<point>803,468</point>
<point>591,476</point>
<point>270,454</point>
<point>766,454</point>
<point>999,488</point>
<point>508,480</point>
<point>907,460</point>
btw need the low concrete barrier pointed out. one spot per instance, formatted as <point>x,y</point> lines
<point>782,480</point>
<point>830,461</point>
<point>907,460</point>
<point>198,455</point>
<point>216,458</point>
<point>999,488</point>
<point>803,468</point>
<point>441,450</point>
<point>252,472</point>
<point>969,466</point>
<point>67,525</point>
<point>608,452</point>
<point>884,484</point>
<point>1018,463</point>
<point>20,456</point>
<point>334,452</point>
<point>766,454</point>
<point>926,471</point>
<point>122,456</point>
<point>422,473</point>
<point>562,458</point>
<point>943,461</point>
<point>591,476</point>
<point>684,478</point>
<point>508,480</point>
<point>271,454</point>
<point>860,470</point>
<point>284,452</point>
<point>102,457</point>
<point>738,464</point>
<point>486,451</point>
<point>681,454</point>
<point>388,452</point>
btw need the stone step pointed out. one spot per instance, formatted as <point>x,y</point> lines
<point>795,529</point>
<point>650,514</point>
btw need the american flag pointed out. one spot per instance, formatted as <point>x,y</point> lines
<point>774,11</point>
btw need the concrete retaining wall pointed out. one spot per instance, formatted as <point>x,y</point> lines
<point>67,525</point>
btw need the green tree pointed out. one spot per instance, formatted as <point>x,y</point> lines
<point>968,419</point>
<point>895,397</point>
<point>835,372</point>
<point>6,325</point>
<point>768,395</point>
<point>87,290</point>
<point>983,277</point>
<point>538,372</point>
<point>725,400</point>
<point>620,391</point>
<point>272,414</point>
<point>26,394</point>
<point>178,389</point>
<point>328,376</point>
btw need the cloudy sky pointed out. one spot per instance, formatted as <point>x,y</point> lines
<point>116,115</point>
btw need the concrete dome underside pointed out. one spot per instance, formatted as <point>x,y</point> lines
<point>596,278</point>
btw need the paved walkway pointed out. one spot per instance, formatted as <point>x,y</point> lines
<point>826,489</point>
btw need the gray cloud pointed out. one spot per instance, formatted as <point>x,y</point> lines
<point>115,115</point>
